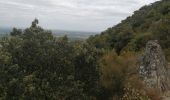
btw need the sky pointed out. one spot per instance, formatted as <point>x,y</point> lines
<point>80,15</point>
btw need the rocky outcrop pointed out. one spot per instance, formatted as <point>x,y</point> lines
<point>153,69</point>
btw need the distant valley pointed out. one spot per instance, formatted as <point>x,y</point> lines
<point>59,33</point>
<point>73,34</point>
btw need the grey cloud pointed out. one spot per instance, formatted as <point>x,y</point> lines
<point>90,15</point>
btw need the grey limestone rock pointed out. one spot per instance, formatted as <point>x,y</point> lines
<point>153,68</point>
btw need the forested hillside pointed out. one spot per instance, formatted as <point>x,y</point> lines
<point>35,65</point>
<point>149,22</point>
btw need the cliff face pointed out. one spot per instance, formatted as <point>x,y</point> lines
<point>153,68</point>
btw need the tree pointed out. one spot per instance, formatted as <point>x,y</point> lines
<point>40,66</point>
<point>34,23</point>
<point>16,32</point>
<point>87,68</point>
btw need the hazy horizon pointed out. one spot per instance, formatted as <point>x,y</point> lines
<point>74,15</point>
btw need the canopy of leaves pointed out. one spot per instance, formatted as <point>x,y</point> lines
<point>35,65</point>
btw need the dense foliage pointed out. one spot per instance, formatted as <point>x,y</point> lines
<point>35,65</point>
<point>150,22</point>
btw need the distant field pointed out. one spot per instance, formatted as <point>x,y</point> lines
<point>74,35</point>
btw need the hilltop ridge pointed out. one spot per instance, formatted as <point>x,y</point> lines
<point>148,23</point>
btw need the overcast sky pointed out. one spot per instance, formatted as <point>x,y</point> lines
<point>86,15</point>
